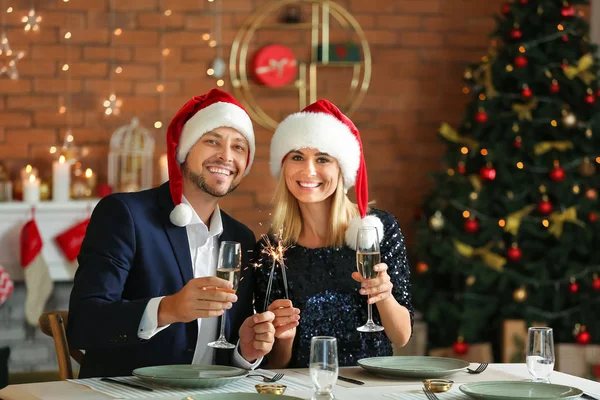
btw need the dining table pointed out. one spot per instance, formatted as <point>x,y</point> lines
<point>299,385</point>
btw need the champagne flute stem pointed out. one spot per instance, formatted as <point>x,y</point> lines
<point>369,311</point>
<point>222,335</point>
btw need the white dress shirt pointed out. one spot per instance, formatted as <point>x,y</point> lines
<point>204,251</point>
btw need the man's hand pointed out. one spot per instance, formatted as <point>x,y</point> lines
<point>257,336</point>
<point>200,298</point>
<point>286,318</point>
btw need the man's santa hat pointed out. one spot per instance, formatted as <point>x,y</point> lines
<point>323,126</point>
<point>197,117</point>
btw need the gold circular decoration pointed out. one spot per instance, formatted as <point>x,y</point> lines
<point>317,28</point>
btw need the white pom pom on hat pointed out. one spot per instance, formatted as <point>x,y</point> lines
<point>323,126</point>
<point>197,117</point>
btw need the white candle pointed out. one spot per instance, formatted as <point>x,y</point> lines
<point>31,190</point>
<point>61,179</point>
<point>27,172</point>
<point>164,168</point>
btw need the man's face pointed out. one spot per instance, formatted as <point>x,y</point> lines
<point>216,164</point>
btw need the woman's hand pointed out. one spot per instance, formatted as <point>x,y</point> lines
<point>286,318</point>
<point>379,288</point>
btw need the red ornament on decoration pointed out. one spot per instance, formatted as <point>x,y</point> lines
<point>598,92</point>
<point>526,92</point>
<point>567,11</point>
<point>544,207</point>
<point>518,143</point>
<point>557,174</point>
<point>523,2</point>
<point>471,225</point>
<point>583,337</point>
<point>462,168</point>
<point>506,8</point>
<point>487,173</point>
<point>514,254</point>
<point>554,87</point>
<point>593,217</point>
<point>460,347</point>
<point>274,65</point>
<point>481,117</point>
<point>573,287</point>
<point>596,283</point>
<point>516,34</point>
<point>565,38</point>
<point>521,61</point>
<point>589,99</point>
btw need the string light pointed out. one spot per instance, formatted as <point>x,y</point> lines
<point>68,35</point>
<point>482,96</point>
<point>53,150</point>
<point>65,67</point>
<point>212,43</point>
<point>113,105</point>
<point>158,124</point>
<point>160,88</point>
<point>484,152</point>
<point>554,123</point>
<point>118,32</point>
<point>502,223</point>
<point>546,223</point>
<point>464,150</point>
<point>466,214</point>
<point>520,165</point>
<point>206,36</point>
<point>210,72</point>
<point>9,10</point>
<point>522,49</point>
<point>118,70</point>
<point>32,21</point>
<point>560,27</point>
<point>166,52</point>
<point>167,13</point>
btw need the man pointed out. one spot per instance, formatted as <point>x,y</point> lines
<point>145,290</point>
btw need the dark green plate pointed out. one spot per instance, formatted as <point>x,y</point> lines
<point>190,376</point>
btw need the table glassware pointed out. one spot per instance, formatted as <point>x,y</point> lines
<point>323,366</point>
<point>540,353</point>
<point>367,256</point>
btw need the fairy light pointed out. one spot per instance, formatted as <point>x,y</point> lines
<point>113,104</point>
<point>206,36</point>
<point>546,223</point>
<point>554,123</point>
<point>89,173</point>
<point>9,10</point>
<point>210,72</point>
<point>465,90</point>
<point>68,35</point>
<point>466,214</point>
<point>168,13</point>
<point>522,49</point>
<point>53,150</point>
<point>160,88</point>
<point>32,21</point>
<point>464,150</point>
<point>560,27</point>
<point>220,82</point>
<point>118,70</point>
<point>212,43</point>
<point>482,96</point>
<point>598,160</point>
<point>502,223</point>
<point>520,165</point>
<point>158,125</point>
<point>166,52</point>
<point>118,31</point>
<point>484,152</point>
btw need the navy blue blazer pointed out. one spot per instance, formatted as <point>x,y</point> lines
<point>132,253</point>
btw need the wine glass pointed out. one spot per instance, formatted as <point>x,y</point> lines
<point>228,268</point>
<point>323,366</point>
<point>367,256</point>
<point>540,353</point>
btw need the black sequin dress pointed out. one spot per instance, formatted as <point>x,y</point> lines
<point>321,286</point>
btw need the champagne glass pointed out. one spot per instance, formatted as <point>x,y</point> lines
<point>540,353</point>
<point>228,268</point>
<point>367,256</point>
<point>323,366</point>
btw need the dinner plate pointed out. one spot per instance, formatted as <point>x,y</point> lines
<point>412,366</point>
<point>190,376</point>
<point>510,390</point>
<point>241,396</point>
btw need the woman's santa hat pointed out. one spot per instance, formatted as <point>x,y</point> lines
<point>323,126</point>
<point>197,117</point>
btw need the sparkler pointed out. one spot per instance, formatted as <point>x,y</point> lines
<point>276,251</point>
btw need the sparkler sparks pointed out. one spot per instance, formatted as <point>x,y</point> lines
<point>276,251</point>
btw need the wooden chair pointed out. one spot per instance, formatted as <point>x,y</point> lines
<point>54,324</point>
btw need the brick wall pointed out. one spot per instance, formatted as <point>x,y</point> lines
<point>419,49</point>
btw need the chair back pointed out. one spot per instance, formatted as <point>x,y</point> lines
<point>54,324</point>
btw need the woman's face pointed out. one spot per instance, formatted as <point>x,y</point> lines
<point>310,175</point>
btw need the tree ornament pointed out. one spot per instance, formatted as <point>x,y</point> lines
<point>462,168</point>
<point>460,347</point>
<point>589,98</point>
<point>591,194</point>
<point>596,283</point>
<point>437,222</point>
<point>573,286</point>
<point>516,33</point>
<point>523,2</point>
<point>487,173</point>
<point>518,142</point>
<point>587,168</point>
<point>554,87</point>
<point>521,61</point>
<point>422,267</point>
<point>557,174</point>
<point>583,337</point>
<point>598,92</point>
<point>470,281</point>
<point>593,217</point>
<point>569,119</point>
<point>520,295</point>
<point>514,254</point>
<point>526,92</point>
<point>545,206</point>
<point>481,117</point>
<point>565,38</point>
<point>471,225</point>
<point>506,8</point>
<point>567,11</point>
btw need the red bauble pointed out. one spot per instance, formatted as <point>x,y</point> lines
<point>526,92</point>
<point>583,337</point>
<point>567,11</point>
<point>544,207</point>
<point>557,174</point>
<point>481,117</point>
<point>462,169</point>
<point>487,173</point>
<point>521,61</point>
<point>598,92</point>
<point>516,34</point>
<point>596,284</point>
<point>460,347</point>
<point>573,287</point>
<point>471,225</point>
<point>589,99</point>
<point>563,66</point>
<point>514,254</point>
<point>593,217</point>
<point>506,8</point>
<point>518,143</point>
<point>523,2</point>
<point>565,38</point>
<point>554,87</point>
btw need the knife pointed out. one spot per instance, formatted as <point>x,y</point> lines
<point>131,385</point>
<point>355,381</point>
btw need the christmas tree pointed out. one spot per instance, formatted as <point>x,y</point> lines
<point>510,230</point>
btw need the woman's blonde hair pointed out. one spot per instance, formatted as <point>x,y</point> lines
<point>287,217</point>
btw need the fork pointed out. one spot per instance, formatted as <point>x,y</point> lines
<point>479,369</point>
<point>430,395</point>
<point>274,378</point>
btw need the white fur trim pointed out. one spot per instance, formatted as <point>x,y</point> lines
<point>320,131</point>
<point>215,116</point>
<point>181,215</point>
<point>357,223</point>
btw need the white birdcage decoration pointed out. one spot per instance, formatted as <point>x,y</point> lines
<point>130,160</point>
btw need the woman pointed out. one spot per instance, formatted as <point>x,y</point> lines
<point>317,156</point>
